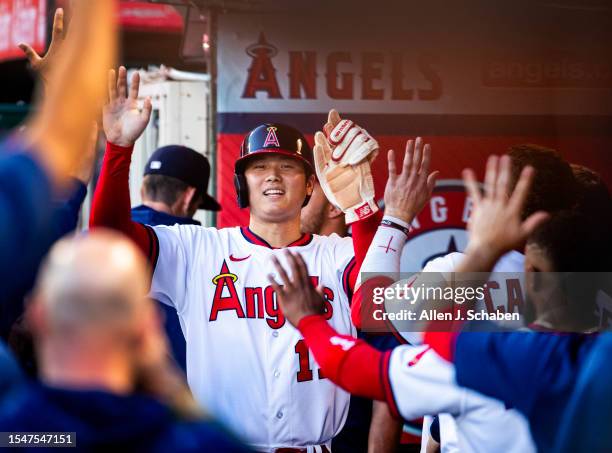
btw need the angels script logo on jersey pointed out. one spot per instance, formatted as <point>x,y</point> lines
<point>255,302</point>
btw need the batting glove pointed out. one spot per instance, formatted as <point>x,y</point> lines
<point>342,164</point>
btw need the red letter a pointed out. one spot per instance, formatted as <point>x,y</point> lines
<point>231,302</point>
<point>262,75</point>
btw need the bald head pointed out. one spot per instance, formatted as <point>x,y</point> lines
<point>90,316</point>
<point>98,279</point>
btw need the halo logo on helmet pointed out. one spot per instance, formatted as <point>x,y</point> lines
<point>271,138</point>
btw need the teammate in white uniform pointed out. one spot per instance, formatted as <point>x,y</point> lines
<point>414,380</point>
<point>506,289</point>
<point>424,384</point>
<point>245,364</point>
<point>552,190</point>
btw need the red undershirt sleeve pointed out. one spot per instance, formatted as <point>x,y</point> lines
<point>443,343</point>
<point>363,234</point>
<point>363,306</point>
<point>111,201</point>
<point>352,364</point>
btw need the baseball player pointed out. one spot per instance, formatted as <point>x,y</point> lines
<point>536,373</point>
<point>245,364</point>
<point>414,380</point>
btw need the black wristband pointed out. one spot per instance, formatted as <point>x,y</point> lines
<point>397,226</point>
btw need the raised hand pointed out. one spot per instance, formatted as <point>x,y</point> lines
<point>333,118</point>
<point>39,64</point>
<point>297,296</point>
<point>342,161</point>
<point>407,193</point>
<point>123,121</point>
<point>495,226</point>
<point>60,128</point>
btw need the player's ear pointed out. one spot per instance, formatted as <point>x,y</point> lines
<point>310,183</point>
<point>333,212</point>
<point>185,201</point>
<point>36,316</point>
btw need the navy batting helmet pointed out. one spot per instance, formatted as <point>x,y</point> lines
<point>271,138</point>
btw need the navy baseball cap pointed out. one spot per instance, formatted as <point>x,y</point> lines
<point>184,164</point>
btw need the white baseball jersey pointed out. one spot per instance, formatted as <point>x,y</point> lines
<point>245,363</point>
<point>512,261</point>
<point>422,383</point>
<point>505,288</point>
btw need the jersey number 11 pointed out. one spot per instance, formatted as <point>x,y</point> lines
<point>305,373</point>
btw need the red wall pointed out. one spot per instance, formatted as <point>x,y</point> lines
<point>451,154</point>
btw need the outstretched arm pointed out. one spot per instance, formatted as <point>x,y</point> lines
<point>405,195</point>
<point>59,131</point>
<point>51,146</point>
<point>495,227</point>
<point>123,124</point>
<point>42,65</point>
<point>111,201</point>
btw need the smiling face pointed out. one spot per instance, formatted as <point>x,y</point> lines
<point>277,186</point>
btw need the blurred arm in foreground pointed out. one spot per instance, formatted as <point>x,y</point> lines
<point>41,159</point>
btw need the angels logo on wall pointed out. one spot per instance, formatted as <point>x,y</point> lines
<point>262,73</point>
<point>440,228</point>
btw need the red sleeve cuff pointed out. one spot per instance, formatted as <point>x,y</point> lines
<point>363,233</point>
<point>443,343</point>
<point>118,148</point>
<point>311,324</point>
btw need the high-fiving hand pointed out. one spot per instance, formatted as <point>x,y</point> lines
<point>407,193</point>
<point>495,226</point>
<point>39,64</point>
<point>123,121</point>
<point>342,160</point>
<point>297,296</point>
<point>74,70</point>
